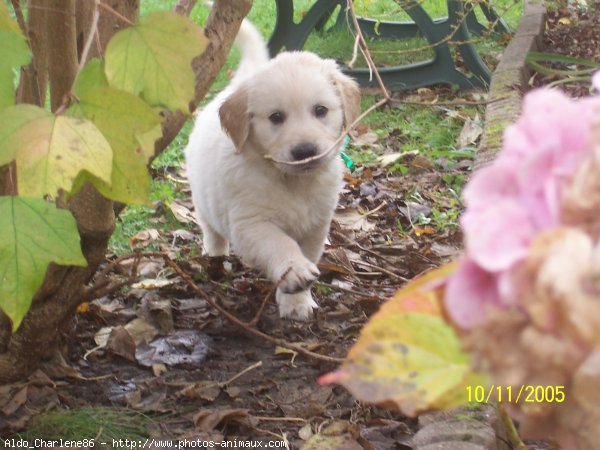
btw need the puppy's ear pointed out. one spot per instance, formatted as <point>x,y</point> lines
<point>235,120</point>
<point>350,93</point>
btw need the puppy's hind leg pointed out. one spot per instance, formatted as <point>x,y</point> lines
<point>213,243</point>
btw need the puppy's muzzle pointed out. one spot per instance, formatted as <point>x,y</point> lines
<point>303,151</point>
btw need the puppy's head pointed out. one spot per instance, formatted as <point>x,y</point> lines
<point>292,110</point>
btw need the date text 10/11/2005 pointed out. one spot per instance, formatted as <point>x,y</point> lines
<point>510,394</point>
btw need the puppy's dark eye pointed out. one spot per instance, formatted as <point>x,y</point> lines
<point>277,118</point>
<point>321,111</point>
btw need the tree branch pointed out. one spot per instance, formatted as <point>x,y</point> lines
<point>184,7</point>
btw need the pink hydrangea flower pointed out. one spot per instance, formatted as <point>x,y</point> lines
<point>509,202</point>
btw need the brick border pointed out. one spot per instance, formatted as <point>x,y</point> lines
<point>509,81</point>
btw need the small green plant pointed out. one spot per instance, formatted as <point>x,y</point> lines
<point>567,69</point>
<point>102,425</point>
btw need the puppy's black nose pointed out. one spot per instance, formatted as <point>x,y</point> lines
<point>303,151</point>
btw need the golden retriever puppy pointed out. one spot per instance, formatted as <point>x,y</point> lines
<point>275,215</point>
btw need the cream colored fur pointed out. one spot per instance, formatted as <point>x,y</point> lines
<point>275,216</point>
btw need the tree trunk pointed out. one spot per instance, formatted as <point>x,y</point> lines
<point>62,49</point>
<point>34,77</point>
<point>62,290</point>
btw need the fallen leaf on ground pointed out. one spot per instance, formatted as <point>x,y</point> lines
<point>207,420</point>
<point>141,331</point>
<point>144,237</point>
<point>121,343</point>
<point>368,139</point>
<point>352,219</point>
<point>181,213</point>
<point>391,158</point>
<point>158,312</point>
<point>305,433</point>
<point>181,347</point>
<point>472,129</point>
<point>206,390</point>
<point>153,283</point>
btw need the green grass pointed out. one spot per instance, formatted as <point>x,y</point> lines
<point>100,424</point>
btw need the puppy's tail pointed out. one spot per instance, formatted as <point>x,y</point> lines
<point>253,48</point>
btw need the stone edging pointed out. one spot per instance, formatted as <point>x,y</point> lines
<point>509,81</point>
<point>464,428</point>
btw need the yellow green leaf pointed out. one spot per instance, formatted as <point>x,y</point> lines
<point>34,234</point>
<point>407,356</point>
<point>50,150</point>
<point>14,52</point>
<point>7,23</point>
<point>91,76</point>
<point>122,118</point>
<point>153,58</point>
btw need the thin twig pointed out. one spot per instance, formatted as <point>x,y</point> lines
<point>279,419</point>
<point>365,51</point>
<point>380,269</point>
<point>219,384</point>
<point>374,253</point>
<point>83,58</point>
<point>374,210</point>
<point>347,290</point>
<point>258,314</point>
<point>337,142</point>
<point>452,103</point>
<point>453,30</point>
<point>90,39</point>
<point>103,286</point>
<point>239,374</point>
<point>271,293</point>
<point>184,7</point>
<point>280,342</point>
<point>114,12</point>
<point>354,51</point>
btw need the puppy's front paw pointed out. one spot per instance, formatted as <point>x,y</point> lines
<point>297,306</point>
<point>299,276</point>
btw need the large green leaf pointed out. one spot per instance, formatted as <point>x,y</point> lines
<point>91,76</point>
<point>34,234</point>
<point>153,58</point>
<point>407,357</point>
<point>14,52</point>
<point>123,118</point>
<point>51,150</point>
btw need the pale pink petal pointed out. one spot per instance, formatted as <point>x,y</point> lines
<point>468,294</point>
<point>490,184</point>
<point>497,236</point>
<point>555,124</point>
